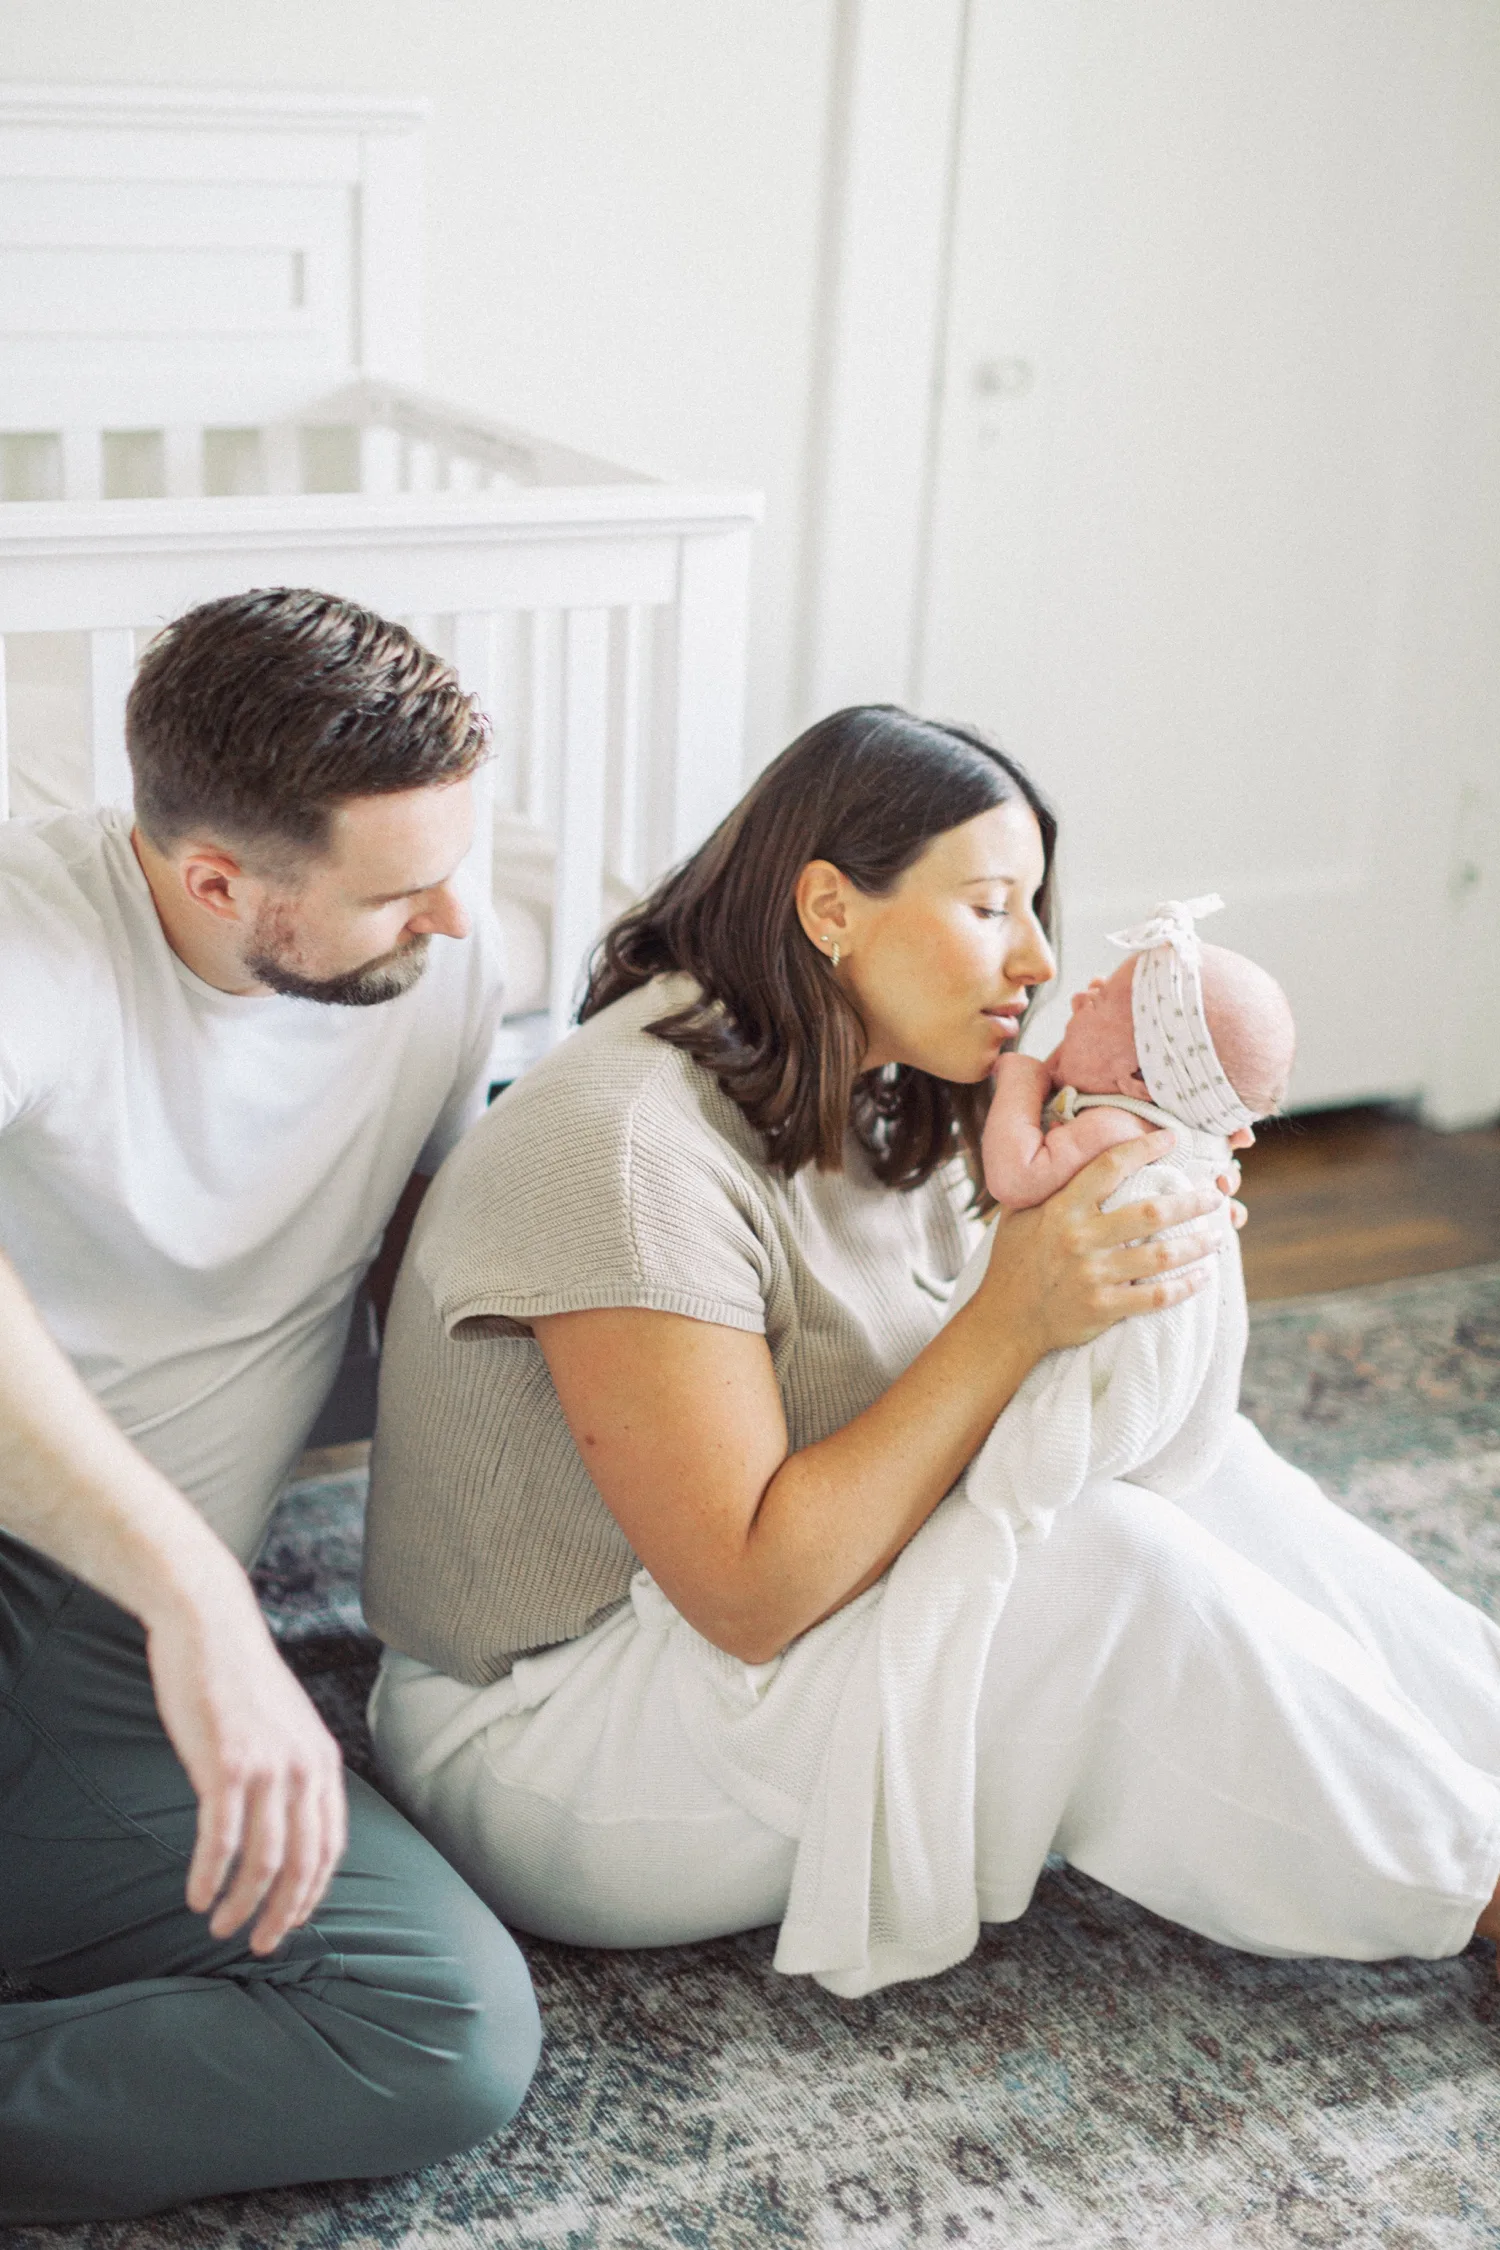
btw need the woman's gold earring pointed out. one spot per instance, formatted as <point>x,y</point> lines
<point>834,956</point>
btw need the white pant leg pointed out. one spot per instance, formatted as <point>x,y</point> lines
<point>589,1820</point>
<point>1441,1651</point>
<point>1225,1745</point>
<point>1192,1733</point>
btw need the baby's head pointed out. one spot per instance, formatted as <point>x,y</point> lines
<point>1249,1022</point>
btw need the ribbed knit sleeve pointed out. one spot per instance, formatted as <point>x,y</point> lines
<point>597,1181</point>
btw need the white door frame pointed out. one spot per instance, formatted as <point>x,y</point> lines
<point>897,86</point>
<point>879,383</point>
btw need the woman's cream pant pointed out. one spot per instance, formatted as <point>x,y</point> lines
<point>1246,1711</point>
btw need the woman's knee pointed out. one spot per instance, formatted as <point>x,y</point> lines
<point>1120,1543</point>
<point>1122,1574</point>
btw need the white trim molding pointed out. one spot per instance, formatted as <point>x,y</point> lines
<point>139,108</point>
<point>897,87</point>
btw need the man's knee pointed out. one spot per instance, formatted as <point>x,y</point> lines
<point>465,2031</point>
<point>503,2042</point>
<point>448,2031</point>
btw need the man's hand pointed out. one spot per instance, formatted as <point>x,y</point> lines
<point>268,1775</point>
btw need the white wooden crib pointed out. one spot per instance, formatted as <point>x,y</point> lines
<point>210,360</point>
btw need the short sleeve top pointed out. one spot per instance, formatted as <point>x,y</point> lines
<point>616,1173</point>
<point>193,1181</point>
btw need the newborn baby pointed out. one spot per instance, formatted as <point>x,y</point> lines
<point>1181,1034</point>
<point>1184,1035</point>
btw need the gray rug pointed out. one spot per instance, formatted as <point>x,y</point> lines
<point>1091,2079</point>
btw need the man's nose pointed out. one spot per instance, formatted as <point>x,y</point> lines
<point>443,914</point>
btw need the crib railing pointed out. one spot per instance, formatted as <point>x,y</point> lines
<point>368,436</point>
<point>601,624</point>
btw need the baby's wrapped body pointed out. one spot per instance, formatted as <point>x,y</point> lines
<point>1150,1401</point>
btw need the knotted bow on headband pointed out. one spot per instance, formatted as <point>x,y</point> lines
<point>1173,1045</point>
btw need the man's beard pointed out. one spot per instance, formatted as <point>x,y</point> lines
<point>384,978</point>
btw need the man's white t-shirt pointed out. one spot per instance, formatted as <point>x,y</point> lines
<point>192,1183</point>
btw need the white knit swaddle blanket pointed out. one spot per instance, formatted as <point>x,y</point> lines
<point>860,1740</point>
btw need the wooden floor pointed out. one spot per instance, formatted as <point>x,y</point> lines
<point>1360,1195</point>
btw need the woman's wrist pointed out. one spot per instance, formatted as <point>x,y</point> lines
<point>999,1326</point>
<point>1010,1297</point>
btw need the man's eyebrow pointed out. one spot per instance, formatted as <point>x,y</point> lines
<point>414,890</point>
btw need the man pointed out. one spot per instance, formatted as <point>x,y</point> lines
<point>234,1038</point>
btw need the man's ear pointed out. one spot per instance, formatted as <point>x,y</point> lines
<point>215,881</point>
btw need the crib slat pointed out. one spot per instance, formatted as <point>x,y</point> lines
<point>535,764</point>
<point>578,881</point>
<point>111,669</point>
<point>281,456</point>
<point>627,855</point>
<point>476,660</point>
<point>182,460</point>
<point>379,460</point>
<point>83,464</point>
<point>708,686</point>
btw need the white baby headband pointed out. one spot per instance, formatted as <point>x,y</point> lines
<point>1173,1044</point>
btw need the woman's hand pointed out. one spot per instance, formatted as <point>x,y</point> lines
<point>1064,1272</point>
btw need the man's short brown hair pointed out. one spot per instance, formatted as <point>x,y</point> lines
<point>252,717</point>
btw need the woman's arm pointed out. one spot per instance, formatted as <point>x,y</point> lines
<point>267,1773</point>
<point>681,1424</point>
<point>1023,1164</point>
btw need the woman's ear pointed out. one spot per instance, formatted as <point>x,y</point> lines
<point>822,897</point>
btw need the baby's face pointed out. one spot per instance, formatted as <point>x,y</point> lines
<point>1097,1054</point>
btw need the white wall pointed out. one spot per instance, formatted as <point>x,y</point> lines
<point>715,238</point>
<point>624,214</point>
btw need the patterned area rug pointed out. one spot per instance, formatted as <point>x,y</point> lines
<point>1091,2079</point>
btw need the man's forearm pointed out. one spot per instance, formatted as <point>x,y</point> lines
<point>74,1487</point>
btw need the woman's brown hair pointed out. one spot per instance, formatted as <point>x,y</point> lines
<point>868,788</point>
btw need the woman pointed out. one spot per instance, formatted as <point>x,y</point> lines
<point>668,1389</point>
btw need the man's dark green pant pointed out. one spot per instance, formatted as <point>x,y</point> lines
<point>397,2028</point>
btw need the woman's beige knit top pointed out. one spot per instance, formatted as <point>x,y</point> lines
<point>614,1173</point>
